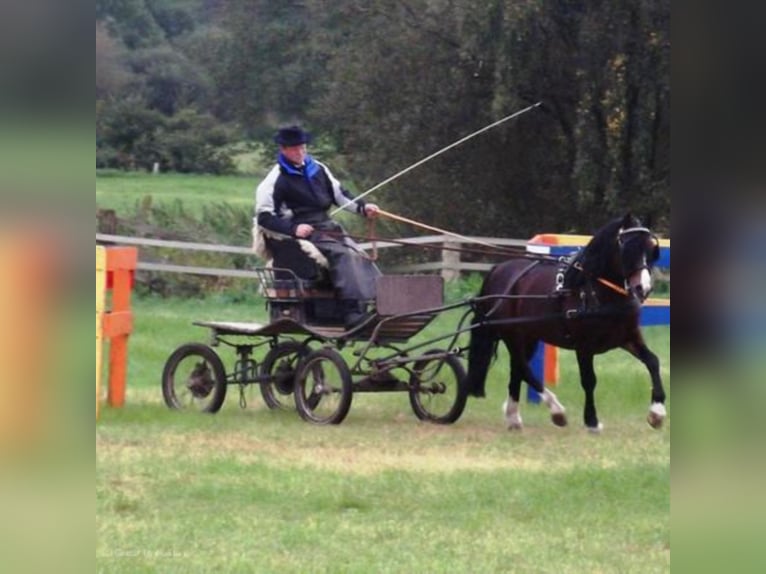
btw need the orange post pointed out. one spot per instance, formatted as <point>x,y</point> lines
<point>118,321</point>
<point>550,365</point>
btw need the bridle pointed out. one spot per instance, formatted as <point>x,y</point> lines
<point>621,240</point>
<point>630,231</point>
<point>622,236</point>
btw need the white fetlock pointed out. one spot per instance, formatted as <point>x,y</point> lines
<point>658,409</point>
<point>656,416</point>
<point>596,429</point>
<point>512,417</point>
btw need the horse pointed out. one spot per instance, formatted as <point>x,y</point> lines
<point>589,302</point>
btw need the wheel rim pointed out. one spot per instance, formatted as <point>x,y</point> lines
<point>323,389</point>
<point>435,389</point>
<point>192,383</point>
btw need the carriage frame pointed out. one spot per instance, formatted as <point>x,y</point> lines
<point>303,366</point>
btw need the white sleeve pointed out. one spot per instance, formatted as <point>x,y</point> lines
<point>264,193</point>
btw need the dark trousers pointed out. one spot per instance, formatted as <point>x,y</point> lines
<point>352,273</point>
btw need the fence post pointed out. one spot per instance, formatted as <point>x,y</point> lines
<point>450,261</point>
<point>116,322</point>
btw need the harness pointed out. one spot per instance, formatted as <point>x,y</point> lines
<point>590,305</point>
<point>510,287</point>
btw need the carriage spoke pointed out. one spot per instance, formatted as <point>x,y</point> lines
<point>323,387</point>
<point>437,390</point>
<point>194,378</point>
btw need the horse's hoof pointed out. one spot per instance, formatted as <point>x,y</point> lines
<point>559,419</point>
<point>655,421</point>
<point>515,426</point>
<point>656,415</point>
<point>596,429</point>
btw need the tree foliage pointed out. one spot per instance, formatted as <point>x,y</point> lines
<point>391,81</point>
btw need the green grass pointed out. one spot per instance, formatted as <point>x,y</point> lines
<point>123,192</point>
<point>251,490</point>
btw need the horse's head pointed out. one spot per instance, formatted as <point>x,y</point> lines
<point>621,252</point>
<point>639,250</point>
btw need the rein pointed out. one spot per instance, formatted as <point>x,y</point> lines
<point>432,228</point>
<point>614,287</point>
<point>496,249</point>
<point>373,238</point>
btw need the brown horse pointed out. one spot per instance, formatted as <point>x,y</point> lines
<point>590,303</point>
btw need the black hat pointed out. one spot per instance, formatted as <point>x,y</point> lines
<point>291,136</point>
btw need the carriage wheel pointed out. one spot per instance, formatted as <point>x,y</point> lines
<point>194,378</point>
<point>323,387</point>
<point>437,389</point>
<point>281,363</point>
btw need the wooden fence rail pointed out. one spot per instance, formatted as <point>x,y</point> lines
<point>450,265</point>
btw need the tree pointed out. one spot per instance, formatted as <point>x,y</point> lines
<point>169,80</point>
<point>129,20</point>
<point>388,82</point>
<point>112,75</point>
<point>270,73</point>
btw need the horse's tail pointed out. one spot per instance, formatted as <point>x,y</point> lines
<point>481,350</point>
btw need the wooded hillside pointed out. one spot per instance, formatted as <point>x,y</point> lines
<point>384,83</point>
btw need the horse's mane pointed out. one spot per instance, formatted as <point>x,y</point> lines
<point>595,258</point>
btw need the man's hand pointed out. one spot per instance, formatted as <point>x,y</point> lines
<point>303,230</point>
<point>371,210</point>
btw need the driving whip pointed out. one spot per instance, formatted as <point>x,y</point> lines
<point>441,151</point>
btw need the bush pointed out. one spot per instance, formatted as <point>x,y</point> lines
<point>130,136</point>
<point>125,134</point>
<point>193,143</point>
<point>107,158</point>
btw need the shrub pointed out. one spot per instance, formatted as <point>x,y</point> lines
<point>130,136</point>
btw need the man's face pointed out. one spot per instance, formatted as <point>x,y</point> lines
<point>295,154</point>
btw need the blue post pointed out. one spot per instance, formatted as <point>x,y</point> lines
<point>537,365</point>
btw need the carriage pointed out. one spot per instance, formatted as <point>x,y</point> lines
<point>575,303</point>
<point>300,348</point>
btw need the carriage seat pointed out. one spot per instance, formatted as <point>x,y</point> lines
<point>296,279</point>
<point>304,260</point>
<point>300,257</point>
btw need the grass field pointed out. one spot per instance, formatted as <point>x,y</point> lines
<point>252,490</point>
<point>124,191</point>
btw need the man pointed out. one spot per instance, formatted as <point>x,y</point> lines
<point>292,202</point>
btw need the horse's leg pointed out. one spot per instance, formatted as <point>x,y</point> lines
<point>558,412</point>
<point>588,382</point>
<point>657,411</point>
<point>511,406</point>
